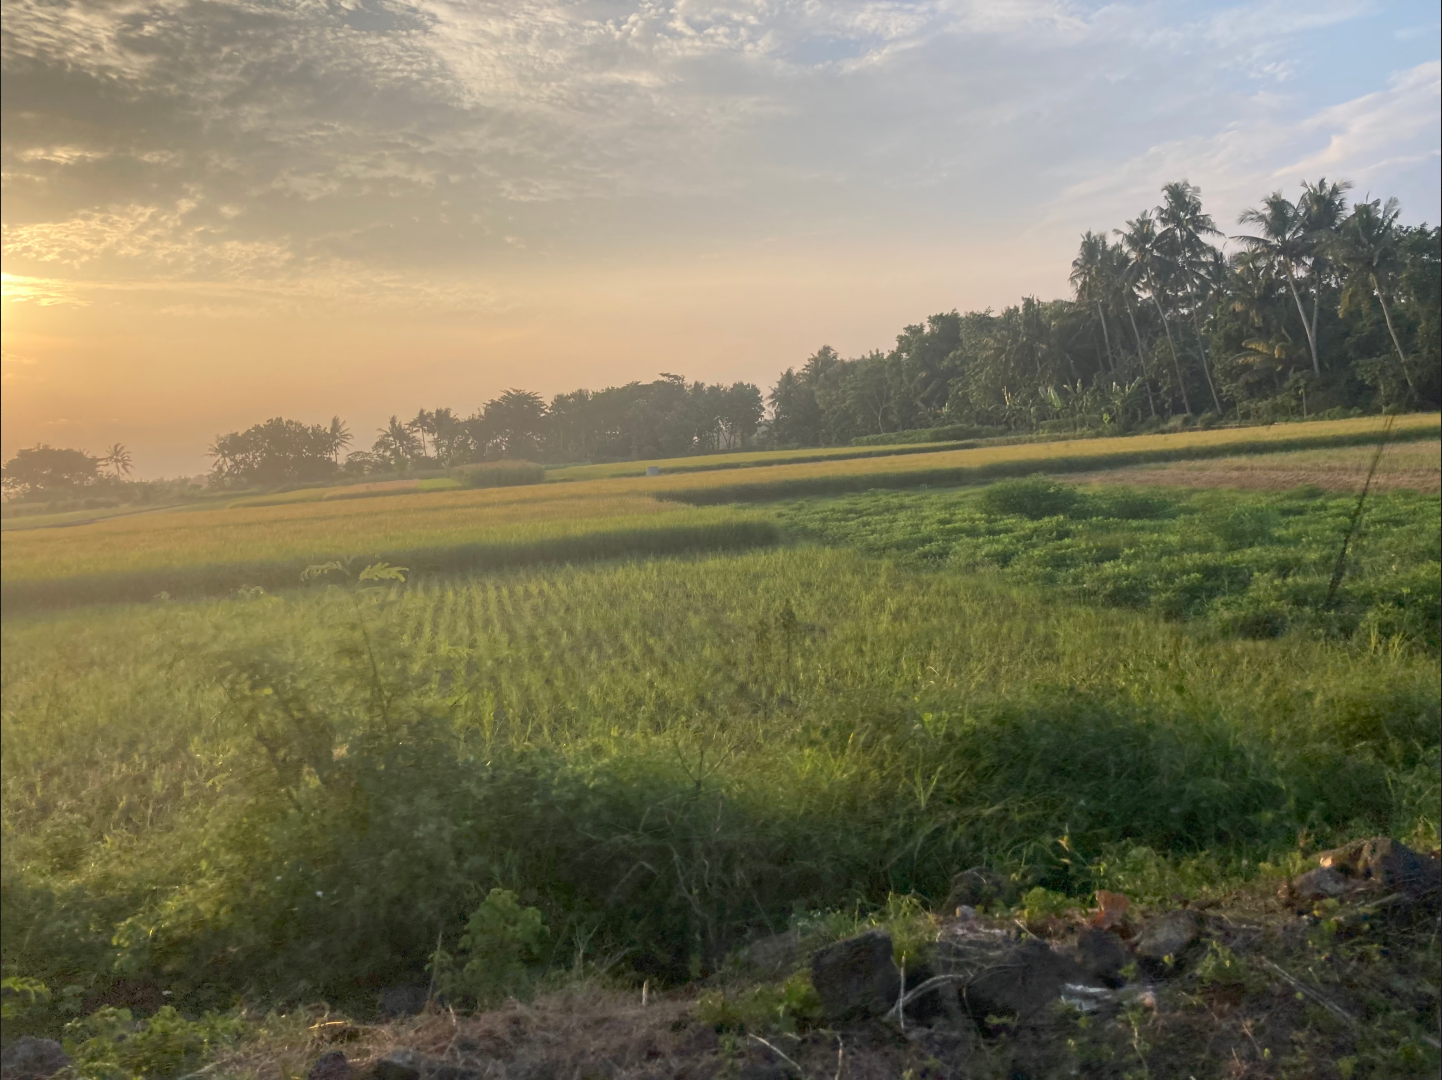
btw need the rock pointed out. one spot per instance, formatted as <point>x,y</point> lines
<point>403,1000</point>
<point>975,888</point>
<point>1020,981</point>
<point>1168,935</point>
<point>1386,864</point>
<point>940,1004</point>
<point>1102,956</point>
<point>454,1072</point>
<point>765,1070</point>
<point>402,1064</point>
<point>1323,883</point>
<point>1398,868</point>
<point>775,956</point>
<point>29,1058</point>
<point>330,1066</point>
<point>857,977</point>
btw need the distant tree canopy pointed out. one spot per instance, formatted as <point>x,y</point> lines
<point>277,452</point>
<point>45,470</point>
<point>1321,307</point>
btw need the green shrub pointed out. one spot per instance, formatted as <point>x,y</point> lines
<point>486,474</point>
<point>949,433</point>
<point>787,1007</point>
<point>111,1044</point>
<point>499,952</point>
<point>1034,497</point>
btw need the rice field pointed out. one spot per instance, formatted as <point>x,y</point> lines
<point>983,463</point>
<point>195,555</point>
<point>269,545</point>
<point>1415,466</point>
<point>736,460</point>
<point>286,796</point>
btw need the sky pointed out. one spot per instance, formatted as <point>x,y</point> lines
<point>218,211</point>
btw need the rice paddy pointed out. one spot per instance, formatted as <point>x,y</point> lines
<point>672,726</point>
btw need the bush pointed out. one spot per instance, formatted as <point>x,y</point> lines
<point>110,1044</point>
<point>1035,497</point>
<point>950,433</point>
<point>484,474</point>
<point>501,949</point>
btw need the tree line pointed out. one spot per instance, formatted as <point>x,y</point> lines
<point>1321,308</point>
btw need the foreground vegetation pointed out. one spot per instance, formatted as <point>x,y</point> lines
<point>288,797</point>
<point>368,773</point>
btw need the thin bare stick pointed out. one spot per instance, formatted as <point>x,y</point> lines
<point>1341,568</point>
<point>435,965</point>
<point>925,988</point>
<point>900,1008</point>
<point>1302,988</point>
<point>779,1053</point>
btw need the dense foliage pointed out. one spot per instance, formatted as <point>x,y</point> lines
<point>1320,310</point>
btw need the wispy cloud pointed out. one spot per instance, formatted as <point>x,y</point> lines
<point>263,143</point>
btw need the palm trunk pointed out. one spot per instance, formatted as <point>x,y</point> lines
<point>1106,337</point>
<point>1306,326</point>
<point>1401,356</point>
<point>1141,362</point>
<point>1202,356</point>
<point>1316,307</point>
<point>1176,360</point>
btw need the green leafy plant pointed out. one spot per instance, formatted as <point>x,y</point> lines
<point>499,952</point>
<point>789,1006</point>
<point>111,1044</point>
<point>499,474</point>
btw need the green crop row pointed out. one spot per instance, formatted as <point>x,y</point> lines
<point>292,797</point>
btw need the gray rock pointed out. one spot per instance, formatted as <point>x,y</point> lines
<point>1102,956</point>
<point>766,1070</point>
<point>29,1058</point>
<point>1323,883</point>
<point>1167,936</point>
<point>774,956</point>
<point>857,977</point>
<point>454,1072</point>
<point>1397,868</point>
<point>330,1066</point>
<point>402,1064</point>
<point>1020,981</point>
<point>975,888</point>
<point>403,1000</point>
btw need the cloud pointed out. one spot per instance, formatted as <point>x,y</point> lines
<point>1365,139</point>
<point>322,147</point>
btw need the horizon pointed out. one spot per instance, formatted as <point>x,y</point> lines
<point>218,215</point>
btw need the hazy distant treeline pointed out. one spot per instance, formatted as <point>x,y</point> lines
<point>1323,307</point>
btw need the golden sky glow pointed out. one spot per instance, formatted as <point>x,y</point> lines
<point>218,213</point>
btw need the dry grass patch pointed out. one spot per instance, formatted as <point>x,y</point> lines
<point>1416,466</point>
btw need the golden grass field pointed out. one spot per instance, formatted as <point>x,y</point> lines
<point>737,460</point>
<point>513,517</point>
<point>1414,465</point>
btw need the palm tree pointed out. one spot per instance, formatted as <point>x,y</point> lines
<point>340,437</point>
<point>1323,206</point>
<point>1365,248</point>
<point>1089,280</point>
<point>396,442</point>
<point>423,424</point>
<point>118,459</point>
<point>1283,237</point>
<point>1148,269</point>
<point>1184,232</point>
